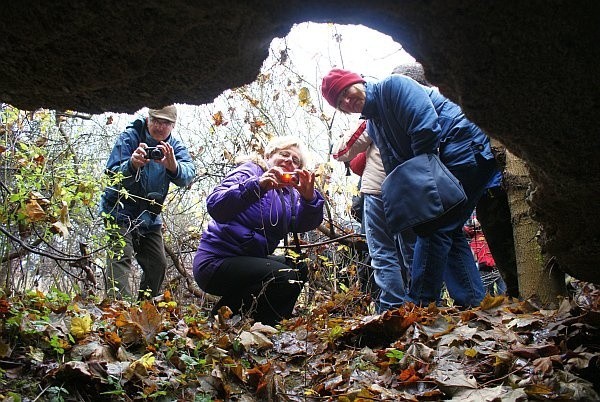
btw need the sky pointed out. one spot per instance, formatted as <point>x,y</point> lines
<point>360,49</point>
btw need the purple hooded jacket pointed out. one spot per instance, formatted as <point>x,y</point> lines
<point>248,221</point>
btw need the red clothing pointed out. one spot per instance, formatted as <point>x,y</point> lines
<point>480,248</point>
<point>357,165</point>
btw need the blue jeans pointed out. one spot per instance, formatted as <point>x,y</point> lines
<point>388,264</point>
<point>445,255</point>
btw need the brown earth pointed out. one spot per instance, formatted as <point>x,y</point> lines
<point>525,71</point>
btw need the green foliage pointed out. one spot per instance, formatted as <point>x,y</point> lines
<point>57,300</point>
<point>193,364</point>
<point>335,333</point>
<point>395,355</point>
<point>50,191</point>
<point>116,383</point>
<point>55,394</point>
<point>57,344</point>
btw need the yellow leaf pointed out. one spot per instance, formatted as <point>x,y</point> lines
<point>147,360</point>
<point>470,352</point>
<point>81,326</point>
<point>489,302</point>
<point>124,193</point>
<point>139,367</point>
<point>304,96</point>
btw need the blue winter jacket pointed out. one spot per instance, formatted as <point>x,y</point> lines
<point>248,221</point>
<point>409,119</point>
<point>153,178</point>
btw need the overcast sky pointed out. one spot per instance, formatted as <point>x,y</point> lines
<point>361,49</point>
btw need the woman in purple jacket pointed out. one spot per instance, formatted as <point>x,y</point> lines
<point>252,210</point>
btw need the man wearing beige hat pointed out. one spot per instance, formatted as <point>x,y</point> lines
<point>149,159</point>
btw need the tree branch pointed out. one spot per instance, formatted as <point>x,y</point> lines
<point>39,252</point>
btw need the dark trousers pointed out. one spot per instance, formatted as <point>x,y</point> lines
<point>265,288</point>
<point>493,213</point>
<point>149,251</point>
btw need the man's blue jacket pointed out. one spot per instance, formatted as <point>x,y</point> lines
<point>152,180</point>
<point>409,119</point>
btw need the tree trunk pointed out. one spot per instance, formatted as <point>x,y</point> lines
<point>534,278</point>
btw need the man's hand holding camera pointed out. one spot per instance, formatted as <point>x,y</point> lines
<point>163,153</point>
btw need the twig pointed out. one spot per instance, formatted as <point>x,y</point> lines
<point>333,240</point>
<point>189,282</point>
<point>39,252</point>
<point>41,393</point>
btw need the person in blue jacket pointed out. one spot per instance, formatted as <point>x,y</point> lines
<point>410,119</point>
<point>149,158</point>
<point>253,209</point>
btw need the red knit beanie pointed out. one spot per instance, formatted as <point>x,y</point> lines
<point>335,82</point>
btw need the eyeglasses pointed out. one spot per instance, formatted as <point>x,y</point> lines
<point>161,122</point>
<point>295,160</point>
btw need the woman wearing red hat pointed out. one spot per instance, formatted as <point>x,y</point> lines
<point>409,119</point>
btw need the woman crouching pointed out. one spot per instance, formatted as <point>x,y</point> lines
<point>252,210</point>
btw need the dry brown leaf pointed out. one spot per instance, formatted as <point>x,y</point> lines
<point>543,365</point>
<point>218,119</point>
<point>409,375</point>
<point>59,228</point>
<point>149,320</point>
<point>539,390</point>
<point>34,211</point>
<point>490,302</point>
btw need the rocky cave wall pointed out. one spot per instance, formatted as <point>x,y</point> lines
<point>525,71</point>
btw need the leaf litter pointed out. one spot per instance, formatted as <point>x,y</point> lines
<point>503,350</point>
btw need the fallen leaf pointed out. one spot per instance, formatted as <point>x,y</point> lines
<point>81,326</point>
<point>490,302</point>
<point>470,352</point>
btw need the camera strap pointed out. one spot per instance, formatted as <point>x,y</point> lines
<point>293,220</point>
<point>294,231</point>
<point>140,135</point>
